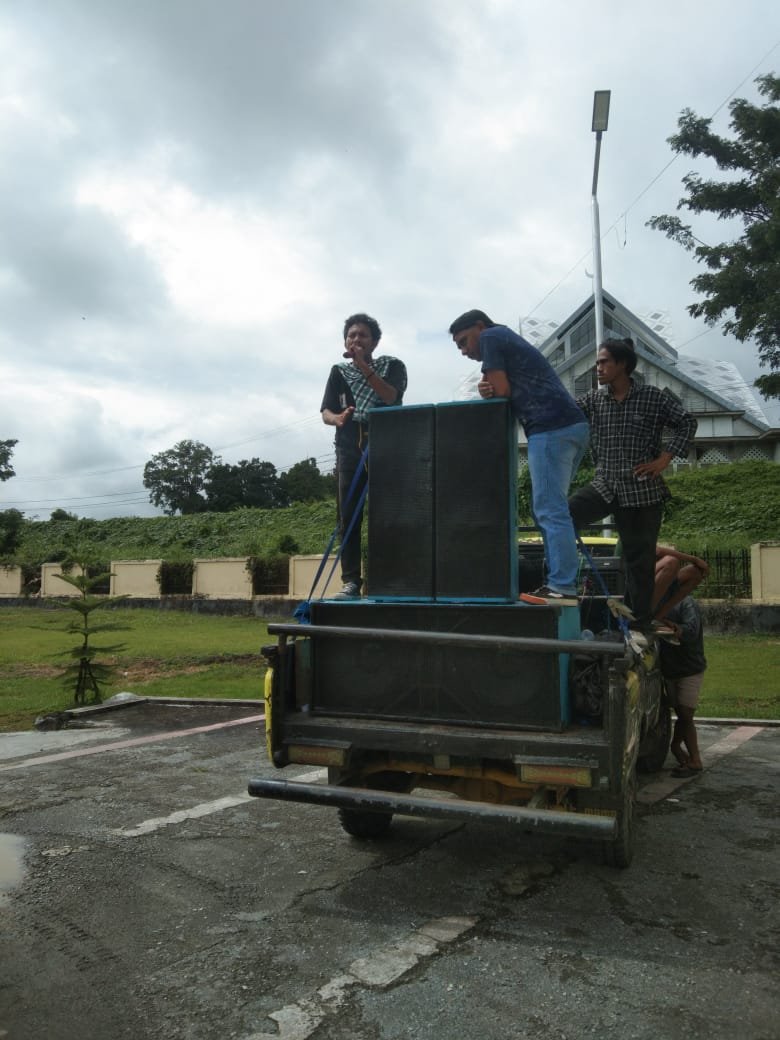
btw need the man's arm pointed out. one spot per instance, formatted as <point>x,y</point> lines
<point>683,427</point>
<point>681,424</point>
<point>494,384</point>
<point>337,418</point>
<point>689,624</point>
<point>654,467</point>
<point>331,410</point>
<point>698,563</point>
<point>585,404</point>
<point>385,391</point>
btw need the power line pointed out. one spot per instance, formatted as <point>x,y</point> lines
<point>262,435</point>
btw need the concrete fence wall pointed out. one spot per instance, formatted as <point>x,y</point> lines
<point>229,578</point>
<point>135,578</point>
<point>765,572</point>
<point>225,578</point>
<point>10,581</point>
<point>52,585</point>
<point>302,572</point>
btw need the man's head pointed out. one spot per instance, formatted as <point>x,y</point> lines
<point>616,358</point>
<point>362,328</point>
<point>466,330</point>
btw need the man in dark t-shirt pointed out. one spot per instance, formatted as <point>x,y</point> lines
<point>556,429</point>
<point>353,388</point>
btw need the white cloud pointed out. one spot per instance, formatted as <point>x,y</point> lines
<point>195,196</point>
<point>225,265</point>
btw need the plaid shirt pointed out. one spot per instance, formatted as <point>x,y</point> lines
<point>625,433</point>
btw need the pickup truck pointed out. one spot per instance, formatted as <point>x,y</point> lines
<point>443,693</point>
<point>427,712</point>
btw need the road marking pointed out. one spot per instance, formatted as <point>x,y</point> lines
<point>384,967</point>
<point>193,813</point>
<point>659,789</point>
<point>121,745</point>
<point>156,823</point>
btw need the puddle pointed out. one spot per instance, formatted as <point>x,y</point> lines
<point>11,863</point>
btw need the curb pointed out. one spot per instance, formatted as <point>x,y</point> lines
<point>221,702</point>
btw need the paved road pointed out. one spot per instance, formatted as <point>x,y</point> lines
<point>146,896</point>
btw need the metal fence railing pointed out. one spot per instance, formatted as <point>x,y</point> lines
<point>729,576</point>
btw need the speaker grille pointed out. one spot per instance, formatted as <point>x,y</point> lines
<point>473,686</point>
<point>476,501</point>
<point>401,503</point>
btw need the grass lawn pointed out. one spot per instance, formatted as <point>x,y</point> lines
<point>177,654</point>
<point>742,678</point>
<point>165,653</point>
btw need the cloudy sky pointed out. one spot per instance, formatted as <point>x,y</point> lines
<point>194,195</point>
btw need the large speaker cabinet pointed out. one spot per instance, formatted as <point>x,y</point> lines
<point>443,502</point>
<point>386,679</point>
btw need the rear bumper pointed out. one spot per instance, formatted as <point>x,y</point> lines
<point>543,821</point>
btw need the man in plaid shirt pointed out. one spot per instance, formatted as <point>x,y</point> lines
<point>636,431</point>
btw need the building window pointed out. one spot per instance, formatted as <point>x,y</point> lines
<point>585,382</point>
<point>616,328</point>
<point>558,356</point>
<point>584,335</point>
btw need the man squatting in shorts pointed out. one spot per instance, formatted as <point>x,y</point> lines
<point>682,667</point>
<point>353,388</point>
<point>555,427</point>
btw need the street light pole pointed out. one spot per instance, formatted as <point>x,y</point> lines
<point>599,125</point>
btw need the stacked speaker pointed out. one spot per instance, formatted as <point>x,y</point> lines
<point>442,491</point>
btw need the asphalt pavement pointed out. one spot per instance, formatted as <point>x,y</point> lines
<point>144,895</point>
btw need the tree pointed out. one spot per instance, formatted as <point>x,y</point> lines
<point>250,483</point>
<point>11,523</point>
<point>85,674</point>
<point>176,478</point>
<point>6,451</point>
<point>744,275</point>
<point>62,514</point>
<point>303,482</point>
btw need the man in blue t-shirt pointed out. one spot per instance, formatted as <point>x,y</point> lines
<point>556,429</point>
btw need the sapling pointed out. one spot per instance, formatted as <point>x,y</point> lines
<point>86,675</point>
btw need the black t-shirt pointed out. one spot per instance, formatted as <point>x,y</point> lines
<point>338,396</point>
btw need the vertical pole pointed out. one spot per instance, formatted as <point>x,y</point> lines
<point>598,303</point>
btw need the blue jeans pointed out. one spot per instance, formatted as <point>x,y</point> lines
<point>553,459</point>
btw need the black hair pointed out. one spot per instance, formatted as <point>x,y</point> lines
<point>465,321</point>
<point>364,319</point>
<point>621,350</point>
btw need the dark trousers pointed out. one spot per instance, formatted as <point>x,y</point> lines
<point>638,528</point>
<point>346,465</point>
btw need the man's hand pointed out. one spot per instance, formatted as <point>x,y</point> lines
<point>654,468</point>
<point>485,388</point>
<point>340,418</point>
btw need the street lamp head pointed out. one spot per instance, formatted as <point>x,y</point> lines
<point>600,110</point>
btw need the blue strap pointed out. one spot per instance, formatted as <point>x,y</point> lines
<point>622,623</point>
<point>302,613</point>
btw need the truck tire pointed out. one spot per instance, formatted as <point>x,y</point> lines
<point>370,825</point>
<point>365,825</point>
<point>620,850</point>
<point>655,745</point>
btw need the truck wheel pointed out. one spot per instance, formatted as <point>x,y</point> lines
<point>655,746</point>
<point>620,851</point>
<point>365,824</point>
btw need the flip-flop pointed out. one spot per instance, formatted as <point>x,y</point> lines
<point>686,771</point>
<point>619,609</point>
